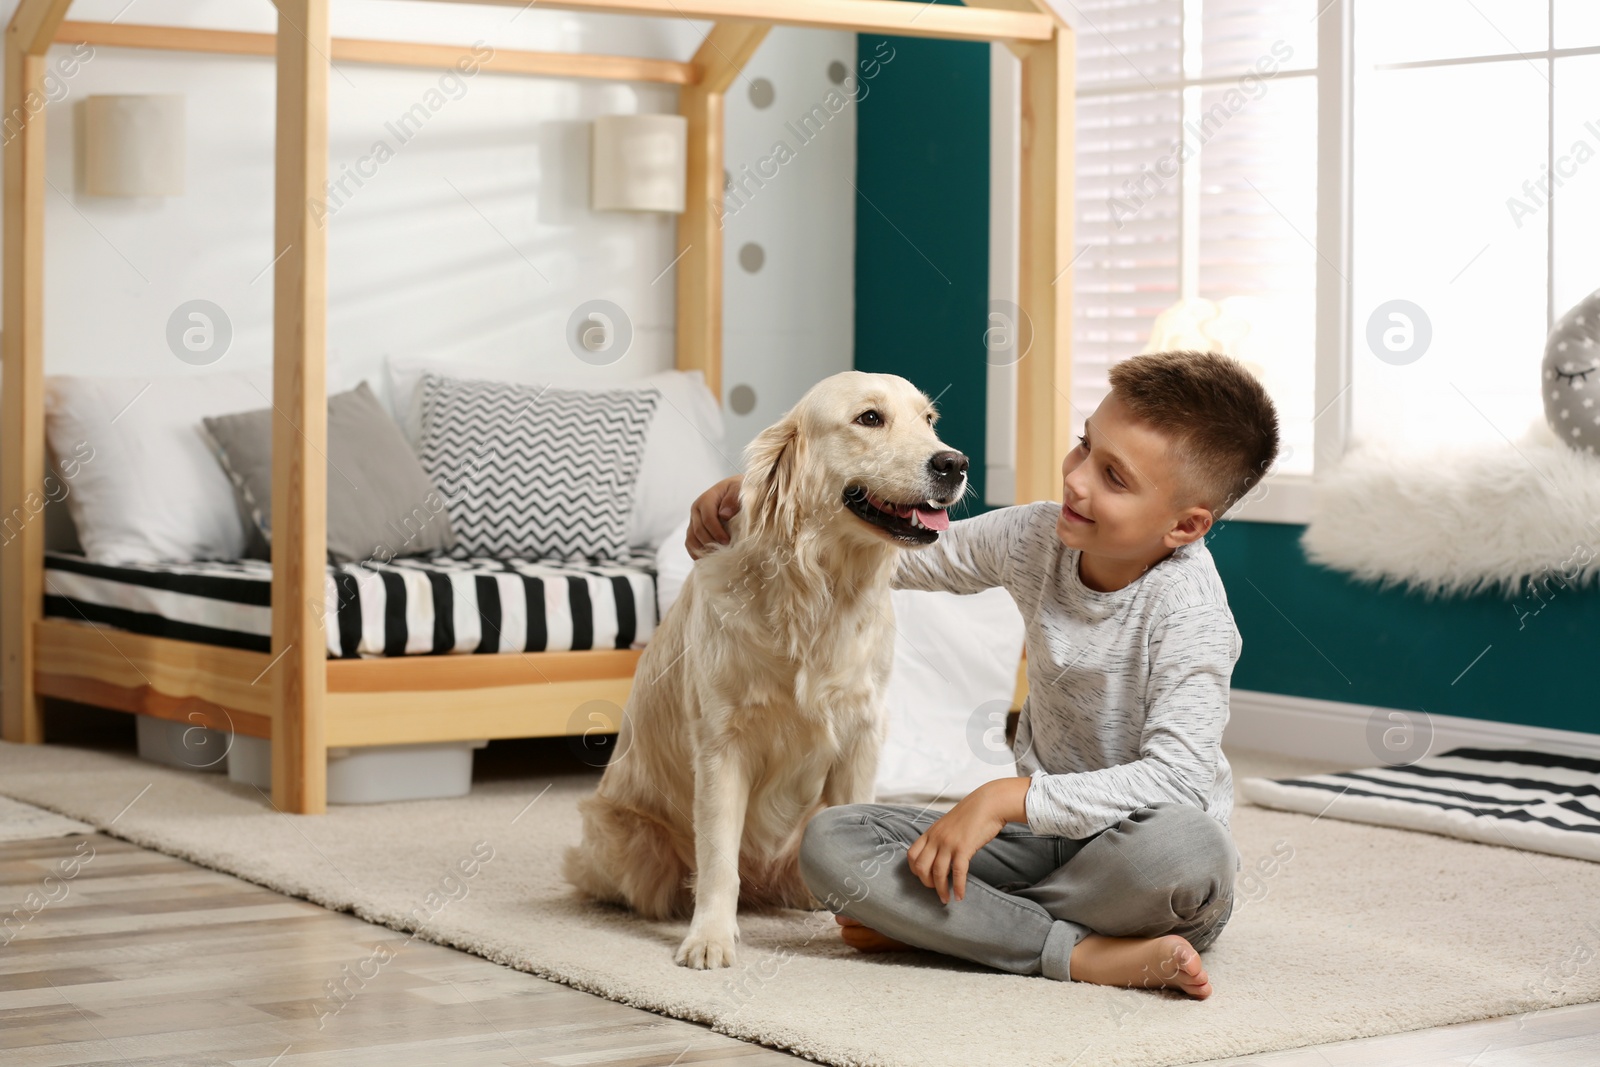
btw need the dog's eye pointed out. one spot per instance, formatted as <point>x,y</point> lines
<point>870,417</point>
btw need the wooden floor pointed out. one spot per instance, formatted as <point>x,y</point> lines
<point>151,960</point>
<point>147,959</point>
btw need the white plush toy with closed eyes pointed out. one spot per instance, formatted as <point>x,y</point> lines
<point>1571,376</point>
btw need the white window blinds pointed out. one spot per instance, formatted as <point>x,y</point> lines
<point>1196,178</point>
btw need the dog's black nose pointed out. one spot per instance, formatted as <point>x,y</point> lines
<point>948,466</point>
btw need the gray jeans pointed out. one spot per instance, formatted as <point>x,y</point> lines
<point>1167,868</point>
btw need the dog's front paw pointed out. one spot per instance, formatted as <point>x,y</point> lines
<point>704,950</point>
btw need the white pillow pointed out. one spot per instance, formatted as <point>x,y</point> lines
<point>955,671</point>
<point>153,490</point>
<point>684,453</point>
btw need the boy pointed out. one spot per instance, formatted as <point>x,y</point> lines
<point>1109,858</point>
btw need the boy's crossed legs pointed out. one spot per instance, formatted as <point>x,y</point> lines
<point>1131,905</point>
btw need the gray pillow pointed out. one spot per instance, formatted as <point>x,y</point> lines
<point>530,471</point>
<point>380,502</point>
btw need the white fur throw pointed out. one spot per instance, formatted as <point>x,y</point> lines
<point>1462,520</point>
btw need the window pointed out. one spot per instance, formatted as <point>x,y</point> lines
<point>1450,192</point>
<point>1476,202</point>
<point>1197,178</point>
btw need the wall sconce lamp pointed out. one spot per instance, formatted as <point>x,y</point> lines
<point>639,162</point>
<point>134,145</point>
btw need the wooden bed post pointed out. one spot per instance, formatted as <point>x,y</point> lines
<point>725,51</point>
<point>299,670</point>
<point>1044,411</point>
<point>22,488</point>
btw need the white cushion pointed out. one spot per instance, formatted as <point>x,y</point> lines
<point>684,451</point>
<point>153,490</point>
<point>955,671</point>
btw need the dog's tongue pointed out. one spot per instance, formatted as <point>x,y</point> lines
<point>934,518</point>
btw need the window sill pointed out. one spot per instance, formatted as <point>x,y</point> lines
<point>1284,498</point>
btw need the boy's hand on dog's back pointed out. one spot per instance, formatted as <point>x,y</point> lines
<point>709,514</point>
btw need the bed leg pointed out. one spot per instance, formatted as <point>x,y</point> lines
<point>299,752</point>
<point>23,720</point>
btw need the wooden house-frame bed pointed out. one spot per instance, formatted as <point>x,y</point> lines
<point>295,695</point>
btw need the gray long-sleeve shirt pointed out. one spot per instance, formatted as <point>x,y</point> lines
<point>1127,690</point>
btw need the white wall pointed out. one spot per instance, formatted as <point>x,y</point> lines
<point>475,241</point>
<point>791,323</point>
<point>1005,165</point>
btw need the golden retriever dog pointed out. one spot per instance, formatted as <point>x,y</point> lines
<point>759,700</point>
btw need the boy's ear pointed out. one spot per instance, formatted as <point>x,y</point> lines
<point>1193,524</point>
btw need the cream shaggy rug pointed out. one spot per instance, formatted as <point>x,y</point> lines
<point>24,822</point>
<point>1341,930</point>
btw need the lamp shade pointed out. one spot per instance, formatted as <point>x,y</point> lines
<point>134,145</point>
<point>639,162</point>
<point>1229,327</point>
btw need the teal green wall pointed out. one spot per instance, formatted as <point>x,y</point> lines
<point>923,138</point>
<point>1313,632</point>
<point>922,227</point>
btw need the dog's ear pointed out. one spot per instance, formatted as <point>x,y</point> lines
<point>767,498</point>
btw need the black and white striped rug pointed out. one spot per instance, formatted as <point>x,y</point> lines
<point>1541,801</point>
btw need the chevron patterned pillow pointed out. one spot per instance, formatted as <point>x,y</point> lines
<point>531,471</point>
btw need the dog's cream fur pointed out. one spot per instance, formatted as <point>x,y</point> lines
<point>759,699</point>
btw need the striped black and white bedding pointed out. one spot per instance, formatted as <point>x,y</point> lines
<point>405,607</point>
<point>1542,801</point>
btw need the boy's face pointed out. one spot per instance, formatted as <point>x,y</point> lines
<point>1123,491</point>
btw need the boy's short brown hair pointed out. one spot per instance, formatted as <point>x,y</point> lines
<point>1220,420</point>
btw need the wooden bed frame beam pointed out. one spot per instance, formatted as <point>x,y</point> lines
<point>857,16</point>
<point>1017,48</point>
<point>232,678</point>
<point>1044,245</point>
<point>368,701</point>
<point>384,53</point>
<point>299,667</point>
<point>34,24</point>
<point>718,61</point>
<point>22,488</point>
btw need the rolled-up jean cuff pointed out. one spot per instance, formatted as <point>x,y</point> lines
<point>1055,959</point>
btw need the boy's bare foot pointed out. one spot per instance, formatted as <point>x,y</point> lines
<point>1141,962</point>
<point>865,938</point>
